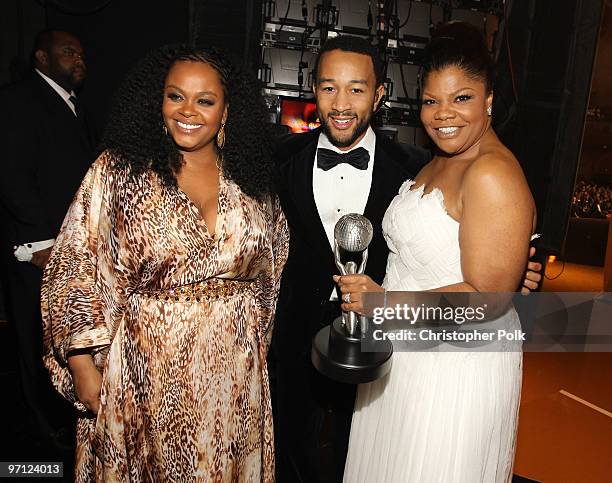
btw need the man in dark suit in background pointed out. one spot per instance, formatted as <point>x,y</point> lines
<point>342,168</point>
<point>46,150</point>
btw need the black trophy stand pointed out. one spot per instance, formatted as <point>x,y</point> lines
<point>338,355</point>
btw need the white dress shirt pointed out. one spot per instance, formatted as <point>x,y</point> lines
<point>63,93</point>
<point>342,189</point>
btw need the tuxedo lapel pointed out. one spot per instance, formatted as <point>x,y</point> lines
<point>382,188</point>
<point>297,174</point>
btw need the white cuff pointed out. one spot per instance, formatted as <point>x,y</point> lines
<point>24,252</point>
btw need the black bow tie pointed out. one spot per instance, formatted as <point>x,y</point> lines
<point>327,159</point>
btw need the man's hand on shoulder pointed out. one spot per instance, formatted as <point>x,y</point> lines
<point>533,277</point>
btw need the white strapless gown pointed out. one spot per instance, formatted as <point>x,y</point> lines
<point>437,416</point>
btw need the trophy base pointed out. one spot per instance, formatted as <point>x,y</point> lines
<point>338,356</point>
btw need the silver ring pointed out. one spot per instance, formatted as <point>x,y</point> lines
<point>347,298</point>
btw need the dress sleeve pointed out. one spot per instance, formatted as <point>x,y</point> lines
<point>81,292</point>
<point>269,282</point>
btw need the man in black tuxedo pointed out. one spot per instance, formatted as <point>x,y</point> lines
<point>46,150</point>
<point>341,168</point>
<point>317,185</point>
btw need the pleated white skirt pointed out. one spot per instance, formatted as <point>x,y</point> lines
<point>438,417</point>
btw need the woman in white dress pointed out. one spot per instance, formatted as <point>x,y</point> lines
<point>463,225</point>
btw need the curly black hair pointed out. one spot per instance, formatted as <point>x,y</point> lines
<point>135,136</point>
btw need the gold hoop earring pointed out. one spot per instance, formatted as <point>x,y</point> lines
<point>221,137</point>
<point>165,129</point>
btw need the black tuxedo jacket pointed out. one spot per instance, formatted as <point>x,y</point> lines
<point>307,279</point>
<point>46,151</point>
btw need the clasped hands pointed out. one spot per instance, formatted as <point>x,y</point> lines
<point>356,285</point>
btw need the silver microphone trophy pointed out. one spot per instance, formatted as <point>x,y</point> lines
<point>336,349</point>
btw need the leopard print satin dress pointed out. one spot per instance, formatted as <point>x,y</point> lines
<point>179,322</point>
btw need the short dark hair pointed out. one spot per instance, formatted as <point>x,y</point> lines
<point>349,43</point>
<point>45,38</point>
<point>462,45</point>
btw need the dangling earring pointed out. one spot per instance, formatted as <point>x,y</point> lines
<point>489,111</point>
<point>165,129</point>
<point>221,137</point>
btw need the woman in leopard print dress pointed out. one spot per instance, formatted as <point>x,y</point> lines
<point>159,295</point>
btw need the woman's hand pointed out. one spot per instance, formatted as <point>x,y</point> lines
<point>87,380</point>
<point>352,288</point>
